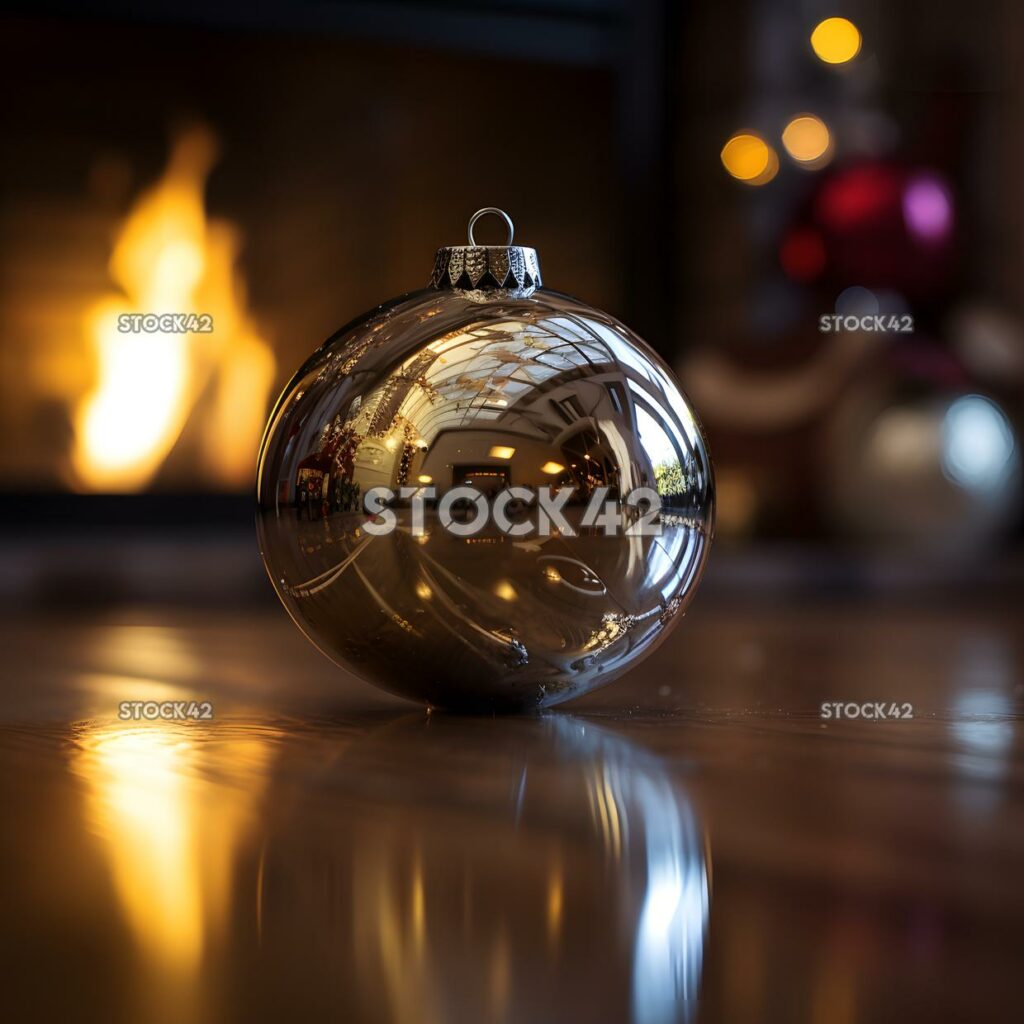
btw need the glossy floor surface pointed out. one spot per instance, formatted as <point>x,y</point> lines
<point>692,843</point>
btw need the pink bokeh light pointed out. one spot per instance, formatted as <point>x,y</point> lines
<point>928,208</point>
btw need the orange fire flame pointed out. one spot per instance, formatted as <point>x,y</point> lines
<point>168,258</point>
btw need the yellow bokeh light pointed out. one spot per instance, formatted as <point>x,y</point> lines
<point>807,140</point>
<point>501,451</point>
<point>551,468</point>
<point>836,40</point>
<point>748,158</point>
<point>425,478</point>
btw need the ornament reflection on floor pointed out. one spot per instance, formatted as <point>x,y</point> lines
<point>572,873</point>
<point>486,385</point>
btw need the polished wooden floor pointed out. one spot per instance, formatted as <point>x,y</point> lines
<point>693,843</point>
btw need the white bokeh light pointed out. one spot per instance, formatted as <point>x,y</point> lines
<point>978,447</point>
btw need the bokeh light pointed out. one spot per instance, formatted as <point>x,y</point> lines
<point>807,140</point>
<point>748,158</point>
<point>858,196</point>
<point>836,40</point>
<point>978,447</point>
<point>928,208</point>
<point>857,301</point>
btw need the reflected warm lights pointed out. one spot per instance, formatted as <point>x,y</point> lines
<point>500,451</point>
<point>551,468</point>
<point>419,905</point>
<point>505,590</point>
<point>168,258</point>
<point>424,478</point>
<point>808,141</point>
<point>160,652</point>
<point>556,903</point>
<point>500,976</point>
<point>171,836</point>
<point>836,40</point>
<point>748,158</point>
<point>141,801</point>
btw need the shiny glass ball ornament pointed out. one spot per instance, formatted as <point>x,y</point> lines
<point>484,494</point>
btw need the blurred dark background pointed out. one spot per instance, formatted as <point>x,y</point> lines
<point>722,176</point>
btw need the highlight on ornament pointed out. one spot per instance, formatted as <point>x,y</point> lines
<point>485,494</point>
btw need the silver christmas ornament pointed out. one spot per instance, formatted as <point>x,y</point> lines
<point>485,494</point>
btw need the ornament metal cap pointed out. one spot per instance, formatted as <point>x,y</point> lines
<point>514,269</point>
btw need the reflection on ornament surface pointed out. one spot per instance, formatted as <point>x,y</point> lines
<point>492,387</point>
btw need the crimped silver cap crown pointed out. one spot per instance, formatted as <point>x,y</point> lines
<point>474,267</point>
<point>511,268</point>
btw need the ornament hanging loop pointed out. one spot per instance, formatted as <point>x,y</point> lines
<point>478,270</point>
<point>497,213</point>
